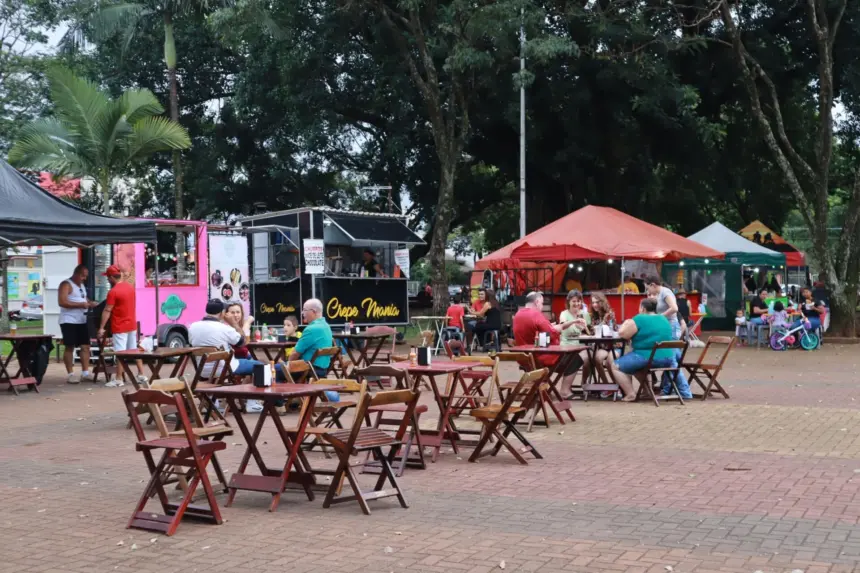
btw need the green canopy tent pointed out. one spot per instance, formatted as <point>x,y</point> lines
<point>721,280</point>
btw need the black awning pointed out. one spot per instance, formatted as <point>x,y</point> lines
<point>367,228</point>
<point>29,215</point>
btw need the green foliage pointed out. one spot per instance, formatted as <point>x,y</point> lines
<point>91,135</point>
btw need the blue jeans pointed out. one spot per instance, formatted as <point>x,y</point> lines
<point>633,362</point>
<point>815,323</point>
<point>752,329</point>
<point>245,367</point>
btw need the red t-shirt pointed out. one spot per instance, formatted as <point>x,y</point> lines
<point>455,314</point>
<point>478,305</point>
<point>527,323</point>
<point>122,317</point>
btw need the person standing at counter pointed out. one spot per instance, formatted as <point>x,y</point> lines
<point>627,286</point>
<point>371,266</point>
<point>666,303</point>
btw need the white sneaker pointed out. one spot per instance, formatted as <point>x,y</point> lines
<point>115,383</point>
<point>143,380</point>
<point>88,377</point>
<point>73,379</point>
<point>253,406</point>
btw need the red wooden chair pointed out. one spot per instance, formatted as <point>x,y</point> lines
<point>185,451</point>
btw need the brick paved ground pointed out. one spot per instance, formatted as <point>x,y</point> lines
<point>764,482</point>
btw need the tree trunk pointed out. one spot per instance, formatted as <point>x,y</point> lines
<point>441,227</point>
<point>104,183</point>
<point>4,296</point>
<point>843,304</point>
<point>170,62</point>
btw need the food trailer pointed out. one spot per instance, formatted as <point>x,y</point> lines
<point>171,288</point>
<point>317,252</point>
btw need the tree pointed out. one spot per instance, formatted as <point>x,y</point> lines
<point>23,27</point>
<point>91,135</point>
<point>124,18</point>
<point>808,178</point>
<point>446,48</point>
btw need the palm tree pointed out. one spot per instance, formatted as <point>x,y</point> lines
<point>91,135</point>
<point>123,18</point>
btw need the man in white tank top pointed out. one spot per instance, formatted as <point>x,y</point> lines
<point>73,323</point>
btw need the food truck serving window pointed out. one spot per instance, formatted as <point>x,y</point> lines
<point>360,228</point>
<point>276,257</point>
<point>170,267</point>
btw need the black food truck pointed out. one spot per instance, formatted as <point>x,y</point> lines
<point>347,259</point>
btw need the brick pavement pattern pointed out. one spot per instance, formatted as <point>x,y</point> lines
<point>767,481</point>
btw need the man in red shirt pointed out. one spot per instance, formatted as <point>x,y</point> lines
<point>455,314</point>
<point>121,310</point>
<point>529,322</point>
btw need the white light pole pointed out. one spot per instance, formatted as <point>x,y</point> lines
<point>522,126</point>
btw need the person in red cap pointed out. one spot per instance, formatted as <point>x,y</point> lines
<point>120,310</point>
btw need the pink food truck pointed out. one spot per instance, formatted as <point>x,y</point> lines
<point>171,287</point>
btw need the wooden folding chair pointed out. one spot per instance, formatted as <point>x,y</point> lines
<point>711,369</point>
<point>650,377</point>
<point>219,374</point>
<point>202,429</point>
<point>329,413</point>
<point>181,451</point>
<point>102,367</point>
<point>387,351</point>
<point>473,378</point>
<point>298,371</point>
<point>494,416</point>
<point>392,415</point>
<point>338,366</point>
<point>360,439</point>
<point>542,402</point>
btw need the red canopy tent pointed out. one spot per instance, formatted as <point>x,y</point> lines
<point>593,233</point>
<point>597,233</point>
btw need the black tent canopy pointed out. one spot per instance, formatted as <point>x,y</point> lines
<point>29,215</point>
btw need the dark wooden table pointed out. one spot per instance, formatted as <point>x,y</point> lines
<point>273,350</point>
<point>296,469</point>
<point>446,428</point>
<point>363,344</point>
<point>22,348</point>
<point>566,355</point>
<point>154,361</point>
<point>598,381</point>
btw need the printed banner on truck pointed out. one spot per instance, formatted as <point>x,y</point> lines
<point>228,269</point>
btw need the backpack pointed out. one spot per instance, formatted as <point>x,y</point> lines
<point>39,360</point>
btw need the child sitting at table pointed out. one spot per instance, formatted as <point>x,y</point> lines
<point>740,323</point>
<point>779,317</point>
<point>291,328</point>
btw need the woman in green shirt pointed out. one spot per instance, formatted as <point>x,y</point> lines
<point>645,331</point>
<point>578,315</point>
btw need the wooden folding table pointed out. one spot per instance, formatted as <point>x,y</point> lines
<point>296,469</point>
<point>566,355</point>
<point>22,348</point>
<point>365,346</point>
<point>273,350</point>
<point>446,429</point>
<point>153,360</point>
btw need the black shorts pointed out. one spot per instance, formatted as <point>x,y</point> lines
<point>75,335</point>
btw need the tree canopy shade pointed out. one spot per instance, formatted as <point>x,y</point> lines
<point>32,216</point>
<point>599,233</point>
<point>738,249</point>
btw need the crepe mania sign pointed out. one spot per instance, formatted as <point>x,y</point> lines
<point>366,301</point>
